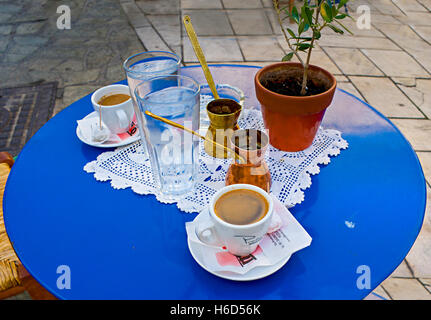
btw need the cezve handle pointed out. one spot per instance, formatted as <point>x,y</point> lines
<point>200,55</point>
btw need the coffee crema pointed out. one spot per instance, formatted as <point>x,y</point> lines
<point>241,207</point>
<point>113,99</point>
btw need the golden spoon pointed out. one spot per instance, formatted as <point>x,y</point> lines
<point>177,125</point>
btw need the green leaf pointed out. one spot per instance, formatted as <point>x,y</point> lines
<point>301,27</point>
<point>317,34</point>
<point>337,30</point>
<point>303,46</point>
<point>295,14</point>
<point>293,35</point>
<point>307,15</point>
<point>341,16</point>
<point>344,27</point>
<point>288,57</point>
<point>342,3</point>
<point>326,12</point>
<point>334,11</point>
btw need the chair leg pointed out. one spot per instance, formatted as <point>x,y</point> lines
<point>11,292</point>
<point>34,289</point>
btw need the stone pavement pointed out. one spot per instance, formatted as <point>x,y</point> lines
<point>89,55</point>
<point>388,65</point>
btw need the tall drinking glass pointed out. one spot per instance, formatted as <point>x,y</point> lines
<point>146,65</point>
<point>173,152</point>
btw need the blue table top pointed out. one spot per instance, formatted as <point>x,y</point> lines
<point>120,245</point>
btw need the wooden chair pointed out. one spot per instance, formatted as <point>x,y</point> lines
<point>14,279</point>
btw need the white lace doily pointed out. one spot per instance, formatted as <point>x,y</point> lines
<point>290,172</point>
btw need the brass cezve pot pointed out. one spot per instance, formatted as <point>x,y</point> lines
<point>221,128</point>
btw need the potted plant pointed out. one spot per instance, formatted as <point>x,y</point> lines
<point>294,96</point>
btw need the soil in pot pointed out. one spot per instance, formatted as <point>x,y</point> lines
<point>289,83</point>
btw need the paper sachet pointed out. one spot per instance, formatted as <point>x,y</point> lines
<point>85,126</point>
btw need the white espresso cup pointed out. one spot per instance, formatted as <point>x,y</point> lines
<point>240,240</point>
<point>119,117</point>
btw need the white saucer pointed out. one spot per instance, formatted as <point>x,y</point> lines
<point>253,274</point>
<point>127,141</point>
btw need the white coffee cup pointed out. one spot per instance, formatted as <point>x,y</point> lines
<point>240,240</point>
<point>119,117</point>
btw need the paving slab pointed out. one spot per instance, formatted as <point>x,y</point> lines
<point>396,63</point>
<point>378,19</point>
<point>419,257</point>
<point>318,57</point>
<point>424,32</point>
<point>209,22</point>
<point>262,48</point>
<point>214,48</point>
<point>358,31</point>
<point>406,289</point>
<point>418,132</point>
<point>402,271</point>
<point>382,293</point>
<point>425,159</point>
<point>168,27</point>
<point>385,96</point>
<point>346,41</point>
<point>201,4</point>
<point>249,22</point>
<point>426,3</point>
<point>409,6</point>
<point>403,35</point>
<point>272,17</point>
<point>420,93</point>
<point>352,61</point>
<point>159,6</point>
<point>267,3</point>
<point>240,4</point>
<point>387,7</point>
<point>135,16</point>
<point>416,18</point>
<point>151,39</point>
<point>350,88</point>
<point>426,283</point>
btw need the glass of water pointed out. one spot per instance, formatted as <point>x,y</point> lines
<point>173,152</point>
<point>146,65</point>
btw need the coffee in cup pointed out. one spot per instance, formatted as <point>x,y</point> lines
<point>240,216</point>
<point>113,99</point>
<point>116,106</point>
<point>241,207</point>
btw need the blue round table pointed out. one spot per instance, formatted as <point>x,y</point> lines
<point>120,245</point>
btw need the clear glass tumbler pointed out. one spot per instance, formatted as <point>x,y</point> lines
<point>146,65</point>
<point>173,152</point>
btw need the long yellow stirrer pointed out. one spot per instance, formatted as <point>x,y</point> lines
<point>200,55</point>
<point>177,125</point>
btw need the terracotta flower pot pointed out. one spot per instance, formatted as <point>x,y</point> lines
<point>293,121</point>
